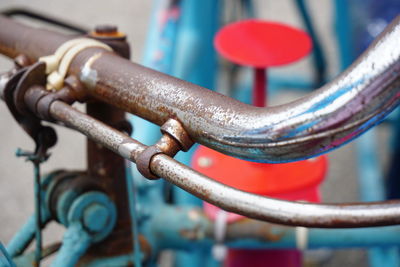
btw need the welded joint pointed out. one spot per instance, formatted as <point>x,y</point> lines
<point>174,139</point>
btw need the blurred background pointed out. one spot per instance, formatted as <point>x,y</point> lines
<point>133,17</point>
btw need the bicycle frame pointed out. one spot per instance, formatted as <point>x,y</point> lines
<point>165,167</point>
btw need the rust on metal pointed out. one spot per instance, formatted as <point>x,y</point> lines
<point>110,35</point>
<point>166,145</point>
<point>174,138</point>
<point>22,61</point>
<point>289,132</point>
<point>224,124</point>
<point>33,95</point>
<point>144,160</point>
<point>176,130</point>
<point>78,90</point>
<point>35,75</point>
<point>192,234</point>
<point>230,199</point>
<point>106,29</point>
<point>38,100</point>
<point>247,228</point>
<point>109,170</point>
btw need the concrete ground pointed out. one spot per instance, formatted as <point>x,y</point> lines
<point>16,186</point>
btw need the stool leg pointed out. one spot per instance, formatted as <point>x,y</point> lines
<point>260,87</point>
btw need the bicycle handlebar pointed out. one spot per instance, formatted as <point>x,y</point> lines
<point>228,198</point>
<point>352,103</point>
<point>315,124</point>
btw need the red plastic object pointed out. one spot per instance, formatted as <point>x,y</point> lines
<point>261,44</point>
<point>289,181</point>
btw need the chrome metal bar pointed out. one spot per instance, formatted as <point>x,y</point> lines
<point>228,198</point>
<point>329,117</point>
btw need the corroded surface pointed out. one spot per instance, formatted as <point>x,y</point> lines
<point>315,124</point>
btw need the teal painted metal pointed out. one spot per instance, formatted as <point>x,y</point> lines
<point>63,205</point>
<point>22,238</point>
<point>344,33</point>
<point>187,228</point>
<point>82,210</point>
<point>195,58</point>
<point>36,160</point>
<point>384,257</point>
<point>196,62</point>
<point>132,192</point>
<point>160,50</point>
<point>370,178</point>
<point>371,184</point>
<point>189,37</point>
<point>75,243</point>
<point>180,227</point>
<point>5,258</point>
<point>95,217</point>
<point>393,181</point>
<point>26,234</point>
<point>38,214</point>
<point>319,61</point>
<point>91,218</point>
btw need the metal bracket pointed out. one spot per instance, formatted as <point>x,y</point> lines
<point>14,93</point>
<point>174,139</point>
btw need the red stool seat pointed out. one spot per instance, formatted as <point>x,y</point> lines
<point>261,44</point>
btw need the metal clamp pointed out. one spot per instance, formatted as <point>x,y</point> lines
<point>144,160</point>
<point>39,100</point>
<point>175,129</point>
<point>174,139</point>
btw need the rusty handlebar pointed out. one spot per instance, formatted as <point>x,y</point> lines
<point>332,115</point>
<point>338,112</point>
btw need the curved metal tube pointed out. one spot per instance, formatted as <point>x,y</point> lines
<point>274,210</point>
<point>329,117</point>
<point>228,198</point>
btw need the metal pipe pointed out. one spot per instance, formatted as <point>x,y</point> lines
<point>228,198</point>
<point>23,238</point>
<point>327,118</point>
<point>189,228</point>
<point>76,242</point>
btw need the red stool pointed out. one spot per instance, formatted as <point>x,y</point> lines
<point>260,45</point>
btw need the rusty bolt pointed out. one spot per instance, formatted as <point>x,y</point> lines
<point>106,29</point>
